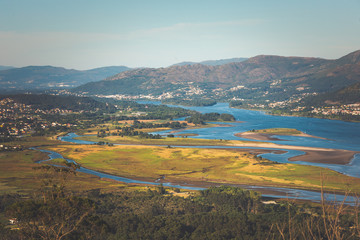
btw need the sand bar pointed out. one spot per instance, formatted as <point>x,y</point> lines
<point>312,154</point>
<point>270,136</point>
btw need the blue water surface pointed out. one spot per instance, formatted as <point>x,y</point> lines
<point>337,134</point>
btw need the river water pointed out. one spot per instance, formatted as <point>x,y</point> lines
<point>337,134</point>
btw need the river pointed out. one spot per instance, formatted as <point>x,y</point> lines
<point>336,134</point>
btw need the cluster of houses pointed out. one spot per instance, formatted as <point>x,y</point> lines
<point>18,119</point>
<point>349,109</point>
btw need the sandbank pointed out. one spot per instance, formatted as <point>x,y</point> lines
<point>312,154</point>
<point>335,156</point>
<point>270,136</point>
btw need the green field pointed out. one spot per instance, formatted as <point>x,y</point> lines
<point>18,176</point>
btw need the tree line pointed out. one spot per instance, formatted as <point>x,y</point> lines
<point>199,118</point>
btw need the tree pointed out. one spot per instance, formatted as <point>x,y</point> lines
<point>55,213</point>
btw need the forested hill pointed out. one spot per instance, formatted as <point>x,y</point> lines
<point>45,77</point>
<point>47,102</point>
<point>261,72</point>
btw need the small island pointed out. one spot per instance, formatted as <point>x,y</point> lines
<point>268,134</point>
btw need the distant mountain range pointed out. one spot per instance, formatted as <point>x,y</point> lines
<point>212,62</point>
<point>262,77</point>
<point>46,77</point>
<point>49,77</point>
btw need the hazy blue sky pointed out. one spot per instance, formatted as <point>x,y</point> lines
<point>84,34</point>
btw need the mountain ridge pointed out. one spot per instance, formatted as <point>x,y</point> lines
<point>267,73</point>
<point>211,62</point>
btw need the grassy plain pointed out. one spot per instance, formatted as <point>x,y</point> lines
<point>232,166</point>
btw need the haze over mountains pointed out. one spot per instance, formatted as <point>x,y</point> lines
<point>46,77</point>
<point>274,76</point>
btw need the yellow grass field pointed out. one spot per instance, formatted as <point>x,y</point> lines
<point>180,165</point>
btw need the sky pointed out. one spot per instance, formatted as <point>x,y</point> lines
<point>85,34</point>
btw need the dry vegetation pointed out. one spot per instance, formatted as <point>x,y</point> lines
<point>203,165</point>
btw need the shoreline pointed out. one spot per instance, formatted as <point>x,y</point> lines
<point>336,156</point>
<point>269,112</point>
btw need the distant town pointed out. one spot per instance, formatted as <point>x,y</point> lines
<point>292,104</point>
<point>18,119</point>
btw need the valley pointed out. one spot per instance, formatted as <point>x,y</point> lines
<point>148,148</point>
<point>179,120</point>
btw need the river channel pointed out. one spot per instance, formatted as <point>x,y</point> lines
<point>335,134</point>
<point>274,192</point>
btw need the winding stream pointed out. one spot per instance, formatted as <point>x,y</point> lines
<point>53,155</point>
